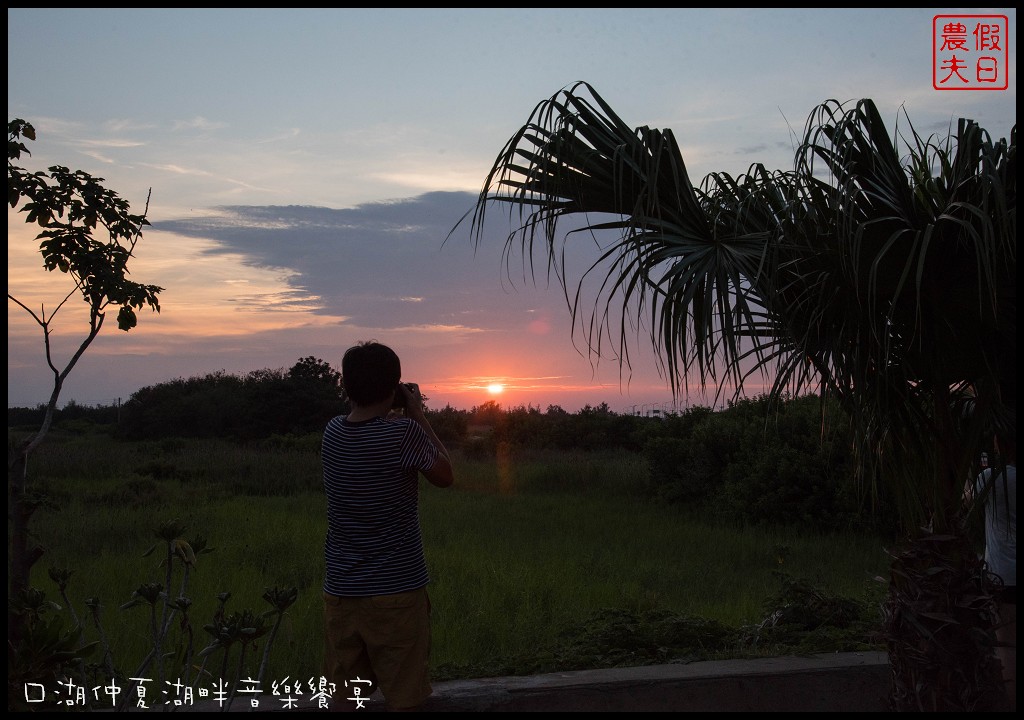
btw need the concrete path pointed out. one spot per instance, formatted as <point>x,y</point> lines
<point>837,682</point>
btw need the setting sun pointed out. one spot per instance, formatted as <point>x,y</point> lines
<point>495,388</point>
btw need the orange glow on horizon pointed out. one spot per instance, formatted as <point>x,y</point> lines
<point>514,391</point>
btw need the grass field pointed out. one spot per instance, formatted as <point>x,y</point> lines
<point>539,562</point>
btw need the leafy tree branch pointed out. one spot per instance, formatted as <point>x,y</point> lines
<point>74,212</point>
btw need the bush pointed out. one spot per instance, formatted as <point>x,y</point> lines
<point>677,472</point>
<point>761,463</point>
<point>781,485</point>
<point>255,406</point>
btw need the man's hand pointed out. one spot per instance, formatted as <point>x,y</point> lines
<point>413,398</point>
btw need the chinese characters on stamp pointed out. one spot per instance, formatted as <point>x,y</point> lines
<point>970,52</point>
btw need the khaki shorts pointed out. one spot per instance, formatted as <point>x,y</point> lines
<point>381,638</point>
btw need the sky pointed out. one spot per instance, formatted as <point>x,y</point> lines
<point>305,170</point>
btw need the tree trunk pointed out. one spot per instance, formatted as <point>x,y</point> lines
<point>23,555</point>
<point>939,621</point>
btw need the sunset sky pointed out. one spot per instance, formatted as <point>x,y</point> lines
<point>306,167</point>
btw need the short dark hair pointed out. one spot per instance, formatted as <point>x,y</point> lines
<point>370,372</point>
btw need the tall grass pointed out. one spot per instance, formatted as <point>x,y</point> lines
<point>520,549</point>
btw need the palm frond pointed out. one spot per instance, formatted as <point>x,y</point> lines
<point>686,259</point>
<point>881,270</point>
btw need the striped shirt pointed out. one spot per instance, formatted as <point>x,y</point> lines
<point>374,545</point>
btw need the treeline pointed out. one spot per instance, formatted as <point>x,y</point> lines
<point>766,463</point>
<point>249,406</point>
<point>256,405</point>
<point>756,462</point>
<point>302,399</point>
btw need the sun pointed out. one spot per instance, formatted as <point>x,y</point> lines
<point>495,388</point>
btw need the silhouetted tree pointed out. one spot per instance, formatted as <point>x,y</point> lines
<point>259,404</point>
<point>315,370</point>
<point>70,207</point>
<point>879,271</point>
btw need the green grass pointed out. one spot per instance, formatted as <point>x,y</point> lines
<point>539,562</point>
<point>516,560</point>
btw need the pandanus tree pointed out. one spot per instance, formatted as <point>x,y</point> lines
<point>880,271</point>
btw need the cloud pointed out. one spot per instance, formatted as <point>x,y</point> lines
<point>127,125</point>
<point>251,286</point>
<point>383,264</point>
<point>198,123</point>
<point>286,135</point>
<point>112,143</point>
<point>205,174</point>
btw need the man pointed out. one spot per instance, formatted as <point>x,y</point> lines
<point>377,613</point>
<point>997,488</point>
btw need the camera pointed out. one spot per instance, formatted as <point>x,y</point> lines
<point>400,396</point>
